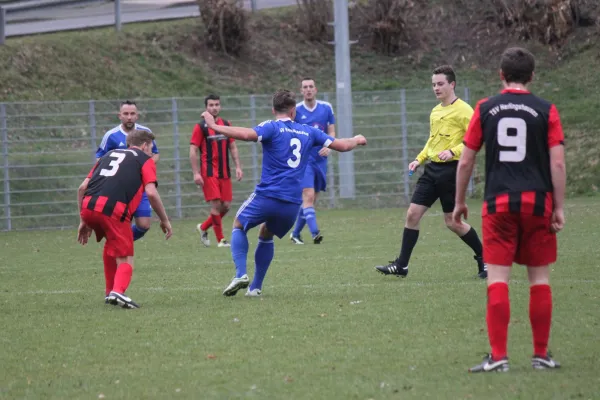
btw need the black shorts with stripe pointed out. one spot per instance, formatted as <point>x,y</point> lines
<point>437,182</point>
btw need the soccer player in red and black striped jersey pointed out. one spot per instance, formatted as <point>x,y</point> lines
<point>213,173</point>
<point>107,200</point>
<point>524,199</point>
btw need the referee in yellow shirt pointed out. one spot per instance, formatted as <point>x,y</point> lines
<point>449,121</point>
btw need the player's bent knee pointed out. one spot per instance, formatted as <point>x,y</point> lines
<point>225,207</point>
<point>237,224</point>
<point>143,222</point>
<point>538,275</point>
<point>414,214</point>
<point>264,232</point>
<point>498,273</point>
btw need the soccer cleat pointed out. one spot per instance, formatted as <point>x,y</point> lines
<point>481,267</point>
<point>490,365</point>
<point>223,243</point>
<point>538,362</point>
<point>236,285</point>
<point>119,299</point>
<point>318,238</point>
<point>254,293</point>
<point>392,269</point>
<point>296,239</point>
<point>106,300</point>
<point>203,236</point>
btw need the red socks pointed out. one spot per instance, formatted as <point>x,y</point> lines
<point>498,317</point>
<point>209,221</point>
<point>122,278</point>
<point>540,315</point>
<point>217,226</point>
<point>110,268</point>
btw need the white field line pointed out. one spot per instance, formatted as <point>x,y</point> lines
<point>401,283</point>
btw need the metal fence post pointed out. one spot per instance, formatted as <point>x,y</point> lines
<point>4,132</point>
<point>118,15</point>
<point>330,172</point>
<point>176,157</point>
<point>254,145</point>
<point>404,127</point>
<point>253,5</point>
<point>470,187</point>
<point>2,25</point>
<point>92,118</point>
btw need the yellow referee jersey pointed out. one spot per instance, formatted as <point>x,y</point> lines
<point>448,127</point>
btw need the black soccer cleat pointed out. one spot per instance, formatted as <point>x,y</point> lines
<point>481,267</point>
<point>318,238</point>
<point>491,365</point>
<point>393,269</point>
<point>538,362</point>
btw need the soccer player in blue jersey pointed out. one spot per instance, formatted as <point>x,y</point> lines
<point>318,114</point>
<point>275,201</point>
<point>116,138</point>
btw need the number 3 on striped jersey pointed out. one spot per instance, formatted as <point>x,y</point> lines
<point>296,145</point>
<point>114,164</point>
<point>518,141</point>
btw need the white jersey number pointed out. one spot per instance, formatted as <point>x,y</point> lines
<point>518,141</point>
<point>296,145</point>
<point>114,164</point>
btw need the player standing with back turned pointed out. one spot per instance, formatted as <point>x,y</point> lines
<point>525,182</point>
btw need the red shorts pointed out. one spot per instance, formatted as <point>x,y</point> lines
<point>119,237</point>
<point>217,189</point>
<point>520,238</point>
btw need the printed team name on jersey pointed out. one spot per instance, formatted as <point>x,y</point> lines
<point>290,130</point>
<point>511,106</point>
<point>216,137</point>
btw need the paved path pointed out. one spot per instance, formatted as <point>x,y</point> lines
<point>100,14</point>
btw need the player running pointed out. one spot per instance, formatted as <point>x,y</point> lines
<point>276,199</point>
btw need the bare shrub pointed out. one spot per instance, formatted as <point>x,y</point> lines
<point>225,23</point>
<point>313,19</point>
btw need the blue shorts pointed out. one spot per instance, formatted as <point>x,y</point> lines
<point>144,209</point>
<point>315,176</point>
<point>279,215</point>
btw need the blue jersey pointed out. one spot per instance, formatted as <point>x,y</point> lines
<point>320,117</point>
<point>286,147</point>
<point>116,138</point>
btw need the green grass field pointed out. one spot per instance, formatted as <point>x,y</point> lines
<point>328,326</point>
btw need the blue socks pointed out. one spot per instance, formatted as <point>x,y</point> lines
<point>311,220</point>
<point>300,222</point>
<point>262,258</point>
<point>138,232</point>
<point>239,251</point>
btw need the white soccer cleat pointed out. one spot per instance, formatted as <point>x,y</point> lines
<point>254,293</point>
<point>236,285</point>
<point>223,243</point>
<point>118,299</point>
<point>296,239</point>
<point>203,235</point>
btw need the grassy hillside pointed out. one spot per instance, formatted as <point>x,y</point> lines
<point>169,59</point>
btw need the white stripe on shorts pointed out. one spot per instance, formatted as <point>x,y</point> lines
<point>245,204</point>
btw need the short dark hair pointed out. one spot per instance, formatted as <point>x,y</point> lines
<point>127,103</point>
<point>138,137</point>
<point>446,70</point>
<point>307,78</point>
<point>517,65</point>
<point>211,96</point>
<point>284,100</point>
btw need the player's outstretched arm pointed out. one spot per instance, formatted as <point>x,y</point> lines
<point>234,132</point>
<point>159,208</point>
<point>343,145</point>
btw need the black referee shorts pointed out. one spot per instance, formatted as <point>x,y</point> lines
<point>437,182</point>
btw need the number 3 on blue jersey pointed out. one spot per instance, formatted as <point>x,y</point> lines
<point>296,145</point>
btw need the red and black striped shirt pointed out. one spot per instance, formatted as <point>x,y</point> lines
<point>214,150</point>
<point>518,130</point>
<point>117,182</point>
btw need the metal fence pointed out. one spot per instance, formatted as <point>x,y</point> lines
<point>49,147</point>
